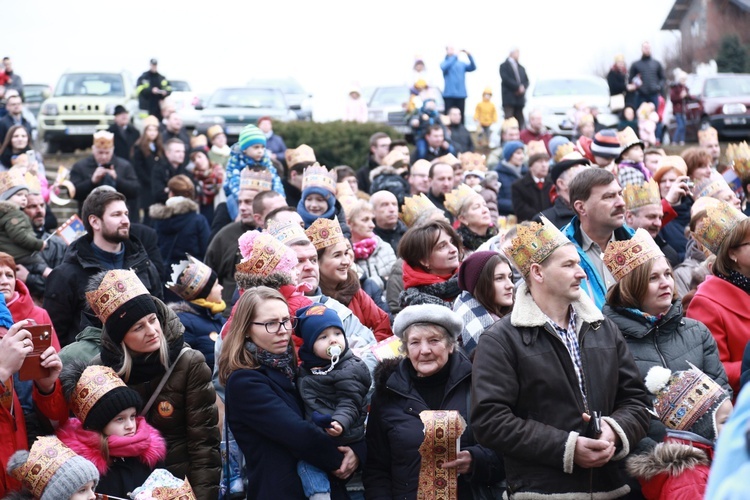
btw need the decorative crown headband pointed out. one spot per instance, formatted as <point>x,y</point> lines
<point>622,257</point>
<point>117,287</point>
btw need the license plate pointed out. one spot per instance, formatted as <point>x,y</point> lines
<point>234,129</point>
<point>81,130</point>
<point>735,121</point>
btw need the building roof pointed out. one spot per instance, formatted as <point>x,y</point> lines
<point>680,8</point>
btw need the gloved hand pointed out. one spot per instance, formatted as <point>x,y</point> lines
<point>321,420</point>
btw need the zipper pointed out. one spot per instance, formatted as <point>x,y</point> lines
<point>656,346</point>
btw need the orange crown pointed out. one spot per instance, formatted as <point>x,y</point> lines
<point>104,139</point>
<point>455,200</point>
<point>473,162</point>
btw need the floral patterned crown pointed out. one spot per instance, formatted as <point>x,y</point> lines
<point>264,255</point>
<point>95,382</point>
<point>455,200</point>
<point>739,156</point>
<point>286,232</point>
<point>473,162</point>
<point>259,180</point>
<point>300,154</point>
<point>104,139</point>
<point>117,287</point>
<point>324,233</point>
<point>47,455</point>
<point>710,185</point>
<point>189,277</point>
<point>533,243</point>
<point>622,257</point>
<point>319,176</point>
<point>718,222</point>
<point>641,195</point>
<point>414,206</point>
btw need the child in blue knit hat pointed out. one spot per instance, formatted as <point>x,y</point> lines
<point>333,384</point>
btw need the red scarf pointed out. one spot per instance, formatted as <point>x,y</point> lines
<point>415,277</point>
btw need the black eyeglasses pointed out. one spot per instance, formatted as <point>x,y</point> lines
<point>275,326</point>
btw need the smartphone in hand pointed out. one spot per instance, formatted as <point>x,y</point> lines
<point>32,369</point>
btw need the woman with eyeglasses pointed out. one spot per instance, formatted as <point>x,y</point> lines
<point>258,367</point>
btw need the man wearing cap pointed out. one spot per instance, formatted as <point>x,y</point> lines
<point>709,138</point>
<point>274,143</point>
<point>387,224</point>
<point>103,168</point>
<point>458,135</point>
<point>563,172</point>
<point>536,131</point>
<point>151,89</point>
<point>125,134</point>
<point>605,148</point>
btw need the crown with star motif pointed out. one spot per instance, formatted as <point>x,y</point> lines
<point>318,176</point>
<point>622,257</point>
<point>414,206</point>
<point>710,185</point>
<point>533,243</point>
<point>455,200</point>
<point>641,195</point>
<point>259,180</point>
<point>473,162</point>
<point>19,177</point>
<point>263,255</point>
<point>738,155</point>
<point>325,233</point>
<point>117,287</point>
<point>189,277</point>
<point>287,232</point>
<point>298,155</point>
<point>104,139</point>
<point>718,222</point>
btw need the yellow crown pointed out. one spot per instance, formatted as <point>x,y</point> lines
<point>536,148</point>
<point>393,158</point>
<point>564,150</point>
<point>319,176</point>
<point>46,457</point>
<point>718,222</point>
<point>19,177</point>
<point>212,131</point>
<point>739,156</point>
<point>455,200</point>
<point>152,121</point>
<point>450,159</point>
<point>414,206</point>
<point>198,141</point>
<point>325,233</point>
<point>627,138</point>
<point>346,196</point>
<point>710,186</point>
<point>117,287</point>
<point>189,277</point>
<point>258,180</point>
<point>261,253</point>
<point>641,195</point>
<point>708,135</point>
<point>473,162</point>
<point>298,155</point>
<point>104,139</point>
<point>286,232</point>
<point>95,382</point>
<point>533,243</point>
<point>509,124</point>
<point>622,257</point>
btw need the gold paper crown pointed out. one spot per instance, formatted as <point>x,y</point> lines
<point>394,157</point>
<point>213,131</point>
<point>509,124</point>
<point>189,277</point>
<point>152,121</point>
<point>414,206</point>
<point>319,176</point>
<point>739,156</point>
<point>702,204</point>
<point>473,162</point>
<point>627,137</point>
<point>718,222</point>
<point>183,492</point>
<point>46,457</point>
<point>258,180</point>
<point>346,196</point>
<point>19,176</point>
<point>564,150</point>
<point>324,233</point>
<point>622,257</point>
<point>298,155</point>
<point>117,287</point>
<point>286,232</point>
<point>707,135</point>
<point>198,141</point>
<point>455,200</point>
<point>264,257</point>
<point>95,382</point>
<point>104,139</point>
<point>536,148</point>
<point>710,186</point>
<point>641,195</point>
<point>686,398</point>
<point>533,243</point>
<point>450,159</point>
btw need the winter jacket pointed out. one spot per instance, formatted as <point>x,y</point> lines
<point>460,138</point>
<point>160,175</point>
<point>683,272</point>
<point>617,81</point>
<point>559,214</point>
<point>378,265</point>
<point>147,100</point>
<point>181,230</point>
<point>674,232</point>
<point>507,175</point>
<point>143,166</point>
<point>126,182</point>
<point>64,297</point>
<point>528,199</point>
<point>223,255</point>
<point>509,84</point>
<point>394,287</point>
<point>485,113</point>
<point>395,432</point>
<point>534,416</point>
<point>124,140</point>
<point>454,74</point>
<point>651,73</point>
<point>391,236</point>
<point>439,202</point>
<point>429,155</point>
<point>476,320</point>
<point>340,393</point>
<point>238,161</point>
<point>53,254</point>
<point>385,178</point>
<point>375,292</point>
<point>371,315</point>
<point>17,237</point>
<point>85,348</point>
<point>201,328</point>
<point>675,95</point>
<point>725,310</point>
<point>185,411</point>
<point>275,144</point>
<point>673,342</point>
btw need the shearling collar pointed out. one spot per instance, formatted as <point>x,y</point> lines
<point>182,206</point>
<point>526,312</point>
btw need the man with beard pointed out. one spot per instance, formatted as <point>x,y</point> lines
<point>596,198</point>
<point>107,245</point>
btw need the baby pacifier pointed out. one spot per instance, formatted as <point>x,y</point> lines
<point>334,350</point>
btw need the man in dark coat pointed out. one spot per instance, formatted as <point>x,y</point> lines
<point>380,144</point>
<point>152,88</point>
<point>125,134</point>
<point>437,146</point>
<point>563,172</point>
<point>459,136</point>
<point>647,74</point>
<point>14,108</point>
<point>173,163</point>
<point>173,128</point>
<point>514,83</point>
<point>107,245</point>
<point>387,224</point>
<point>530,193</point>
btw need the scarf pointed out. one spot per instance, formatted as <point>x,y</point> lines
<point>345,291</point>
<point>442,293</point>
<point>309,218</point>
<point>637,313</point>
<point>214,307</point>
<point>283,362</point>
<point>146,367</point>
<point>737,279</point>
<point>472,240</point>
<point>363,249</point>
<point>13,299</point>
<point>637,166</point>
<point>415,277</point>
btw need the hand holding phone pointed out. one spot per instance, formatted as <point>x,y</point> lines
<point>41,338</point>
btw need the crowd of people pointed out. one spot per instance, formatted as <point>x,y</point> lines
<point>260,325</point>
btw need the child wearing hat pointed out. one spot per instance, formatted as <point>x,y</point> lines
<point>107,430</point>
<point>631,169</point>
<point>694,409</point>
<point>319,200</point>
<point>333,384</point>
<point>485,114</point>
<point>220,150</point>
<point>249,152</point>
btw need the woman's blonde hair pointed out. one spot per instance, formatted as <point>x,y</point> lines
<point>724,264</point>
<point>630,291</point>
<point>127,354</point>
<point>234,356</point>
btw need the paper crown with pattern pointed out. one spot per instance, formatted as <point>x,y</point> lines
<point>263,255</point>
<point>258,180</point>
<point>299,154</point>
<point>455,200</point>
<point>509,123</point>
<point>346,196</point>
<point>563,150</point>
<point>117,287</point>
<point>287,232</point>
<point>627,137</point>
<point>738,155</point>
<point>718,222</point>
<point>533,243</point>
<point>710,186</point>
<point>162,485</point>
<point>324,233</point>
<point>152,121</point>
<point>318,176</point>
<point>641,195</point>
<point>18,176</point>
<point>707,135</point>
<point>213,131</point>
<point>536,148</point>
<point>393,158</point>
<point>104,139</point>
<point>414,206</point>
<point>449,159</point>
<point>189,277</point>
<point>95,381</point>
<point>473,162</point>
<point>622,257</point>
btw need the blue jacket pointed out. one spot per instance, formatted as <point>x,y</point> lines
<point>454,74</point>
<point>199,324</point>
<point>275,144</point>
<point>507,176</point>
<point>594,284</point>
<point>181,230</point>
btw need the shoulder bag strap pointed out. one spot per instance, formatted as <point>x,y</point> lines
<point>163,381</point>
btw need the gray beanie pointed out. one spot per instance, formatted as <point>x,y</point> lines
<point>428,313</point>
<point>10,192</point>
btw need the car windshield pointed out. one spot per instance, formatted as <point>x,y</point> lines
<point>179,86</point>
<point>389,96</point>
<point>727,87</point>
<point>570,87</point>
<point>289,86</point>
<point>247,98</point>
<point>93,84</point>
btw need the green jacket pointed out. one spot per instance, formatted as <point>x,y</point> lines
<point>17,237</point>
<point>85,348</point>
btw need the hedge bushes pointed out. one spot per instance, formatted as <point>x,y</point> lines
<point>335,143</point>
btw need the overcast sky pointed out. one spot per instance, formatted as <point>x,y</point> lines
<point>327,46</point>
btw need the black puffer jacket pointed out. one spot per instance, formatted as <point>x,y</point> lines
<point>651,73</point>
<point>395,432</point>
<point>181,229</point>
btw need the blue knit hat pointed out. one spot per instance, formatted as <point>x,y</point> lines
<point>251,135</point>
<point>311,321</point>
<point>510,148</point>
<point>555,143</point>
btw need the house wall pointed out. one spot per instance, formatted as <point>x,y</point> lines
<point>706,23</point>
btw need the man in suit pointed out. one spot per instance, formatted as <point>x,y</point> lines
<point>513,86</point>
<point>125,134</point>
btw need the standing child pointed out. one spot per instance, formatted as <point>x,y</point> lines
<point>631,169</point>
<point>333,384</point>
<point>107,431</point>
<point>485,113</point>
<point>356,107</point>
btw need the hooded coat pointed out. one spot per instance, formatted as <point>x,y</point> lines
<point>201,327</point>
<point>181,229</point>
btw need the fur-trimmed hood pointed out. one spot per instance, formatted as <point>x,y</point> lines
<point>181,307</point>
<point>670,458</point>
<point>526,312</point>
<point>383,169</point>
<point>179,207</point>
<point>8,206</point>
<point>246,281</point>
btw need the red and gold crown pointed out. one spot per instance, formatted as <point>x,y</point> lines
<point>47,455</point>
<point>325,233</point>
<point>536,148</point>
<point>622,257</point>
<point>454,201</point>
<point>718,222</point>
<point>414,206</point>
<point>189,277</point>
<point>508,124</point>
<point>19,177</point>
<point>627,137</point>
<point>117,287</point>
<point>346,196</point>
<point>473,162</point>
<point>686,397</point>
<point>286,232</point>
<point>261,254</point>
<point>641,195</point>
<point>710,186</point>
<point>738,155</point>
<point>152,121</point>
<point>258,180</point>
<point>533,243</point>
<point>95,382</point>
<point>563,150</point>
<point>319,176</point>
<point>449,159</point>
<point>104,139</point>
<point>298,155</point>
<point>708,135</point>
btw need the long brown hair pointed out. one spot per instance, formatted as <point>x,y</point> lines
<point>630,291</point>
<point>484,290</point>
<point>145,145</point>
<point>6,150</point>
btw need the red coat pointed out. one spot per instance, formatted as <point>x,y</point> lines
<point>725,310</point>
<point>371,315</point>
<point>22,307</point>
